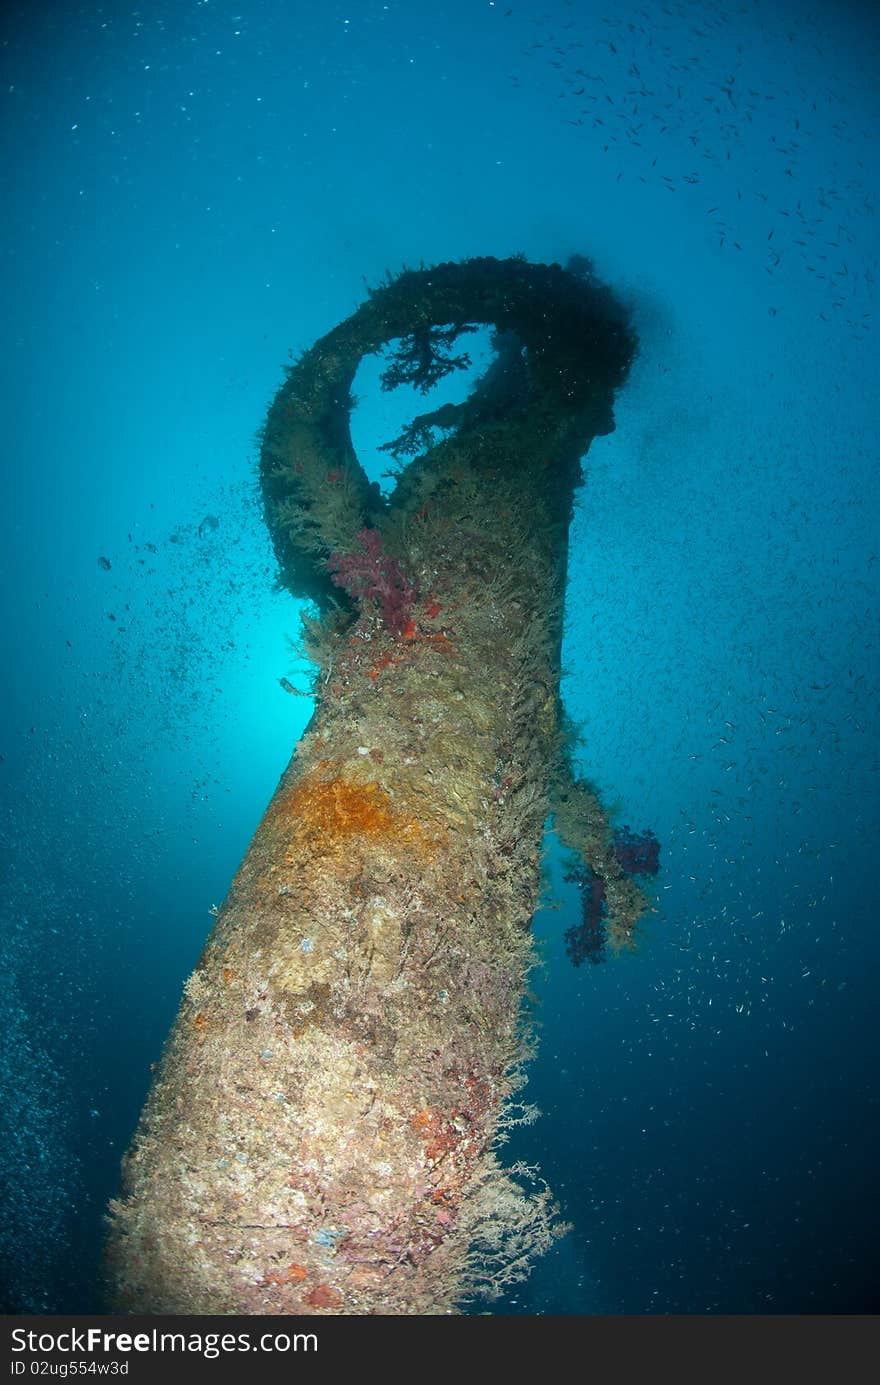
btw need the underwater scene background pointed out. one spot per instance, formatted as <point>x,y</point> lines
<point>193,191</point>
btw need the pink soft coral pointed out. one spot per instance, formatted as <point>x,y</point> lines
<point>368,573</point>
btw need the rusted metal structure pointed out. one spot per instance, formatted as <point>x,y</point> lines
<point>322,1132</point>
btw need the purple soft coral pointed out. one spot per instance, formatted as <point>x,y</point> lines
<point>369,573</point>
<point>638,853</point>
<point>585,942</point>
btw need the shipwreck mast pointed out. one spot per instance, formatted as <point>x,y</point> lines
<point>321,1133</point>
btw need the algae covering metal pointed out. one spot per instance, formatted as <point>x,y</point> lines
<point>323,1131</point>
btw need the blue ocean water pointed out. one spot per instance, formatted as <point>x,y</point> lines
<point>193,189</point>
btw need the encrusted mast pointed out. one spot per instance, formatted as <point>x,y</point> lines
<point>322,1131</point>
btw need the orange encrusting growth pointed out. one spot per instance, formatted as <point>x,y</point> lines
<point>294,1274</point>
<point>321,813</point>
